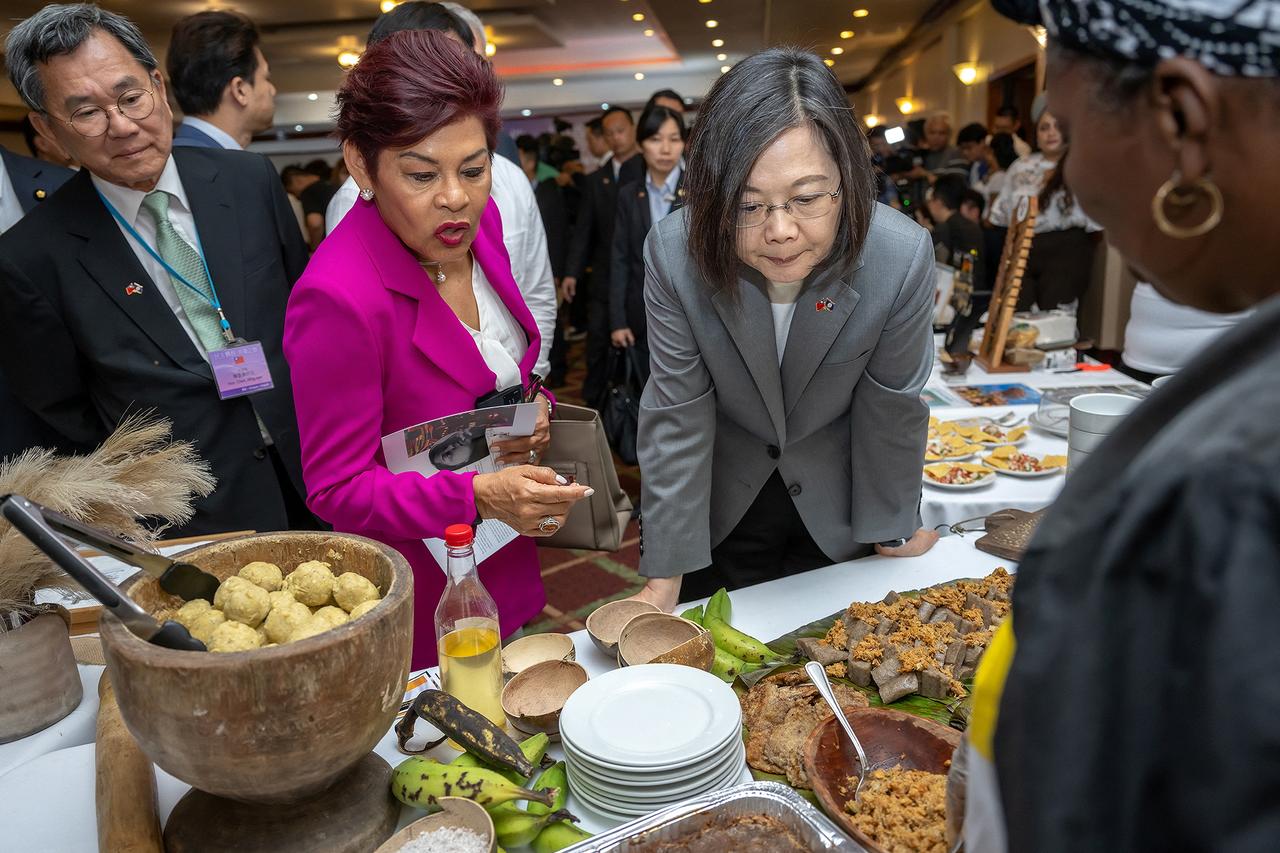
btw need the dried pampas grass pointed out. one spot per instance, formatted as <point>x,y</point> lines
<point>137,473</point>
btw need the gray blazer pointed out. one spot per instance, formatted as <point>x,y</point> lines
<point>841,419</point>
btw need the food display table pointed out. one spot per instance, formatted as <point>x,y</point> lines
<point>47,803</point>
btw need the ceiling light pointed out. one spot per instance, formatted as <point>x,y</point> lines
<point>638,16</point>
<point>828,62</point>
<point>717,42</point>
<point>387,5</point>
<point>314,96</point>
<point>836,51</point>
<point>860,13</point>
<point>713,23</point>
<point>704,1</point>
<point>348,58</point>
<point>639,75</point>
<point>557,82</point>
<point>967,72</point>
<point>604,106</point>
<point>490,49</point>
<point>526,113</point>
<point>298,128</point>
<point>724,69</point>
<point>722,56</point>
<point>648,33</point>
<point>846,34</point>
<point>906,106</point>
<point>871,121</point>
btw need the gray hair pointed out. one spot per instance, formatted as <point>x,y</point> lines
<point>471,19</point>
<point>56,30</point>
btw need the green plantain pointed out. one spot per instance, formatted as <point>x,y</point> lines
<point>738,644</point>
<point>718,605</point>
<point>419,782</point>
<point>554,778</point>
<point>517,828</point>
<point>693,614</point>
<point>726,667</point>
<point>558,836</point>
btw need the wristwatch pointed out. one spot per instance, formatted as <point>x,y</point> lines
<point>893,543</point>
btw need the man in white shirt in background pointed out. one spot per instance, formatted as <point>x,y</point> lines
<point>522,231</point>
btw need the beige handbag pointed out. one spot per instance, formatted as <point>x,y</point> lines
<point>580,453</point>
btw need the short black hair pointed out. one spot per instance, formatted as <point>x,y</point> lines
<point>949,189</point>
<point>652,120</point>
<point>596,125</point>
<point>626,112</point>
<point>974,198</point>
<point>320,168</point>
<point>1003,149</point>
<point>207,51</point>
<point>974,132</point>
<point>288,173</point>
<point>1008,111</point>
<point>527,142</point>
<point>664,93</point>
<point>420,15</point>
<point>747,108</point>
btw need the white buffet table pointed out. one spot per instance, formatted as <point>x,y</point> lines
<point>47,803</point>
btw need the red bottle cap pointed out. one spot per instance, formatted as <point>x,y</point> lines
<point>458,535</point>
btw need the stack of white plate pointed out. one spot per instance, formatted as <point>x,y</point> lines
<point>641,738</point>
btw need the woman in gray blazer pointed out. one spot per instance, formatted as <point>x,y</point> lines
<point>789,330</point>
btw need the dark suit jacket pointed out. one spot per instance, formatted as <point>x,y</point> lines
<point>33,181</point>
<point>187,136</point>
<point>632,170</point>
<point>555,221</point>
<point>592,239</point>
<point>626,276</point>
<point>82,353</point>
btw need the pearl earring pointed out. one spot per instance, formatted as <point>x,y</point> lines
<point>367,194</point>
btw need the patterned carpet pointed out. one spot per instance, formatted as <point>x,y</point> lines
<point>577,582</point>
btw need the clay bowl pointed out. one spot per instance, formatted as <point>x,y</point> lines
<point>534,698</point>
<point>271,725</point>
<point>663,638</point>
<point>891,738</point>
<point>535,648</point>
<point>606,621</point>
<point>455,812</point>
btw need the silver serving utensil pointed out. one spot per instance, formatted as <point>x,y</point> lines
<point>818,676</point>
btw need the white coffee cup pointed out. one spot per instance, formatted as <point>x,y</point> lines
<point>1075,458</point>
<point>1100,413</point>
<point>1083,440</point>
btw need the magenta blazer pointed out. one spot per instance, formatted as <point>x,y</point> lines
<point>373,348</point>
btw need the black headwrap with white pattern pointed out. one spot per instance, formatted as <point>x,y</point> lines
<point>1237,38</point>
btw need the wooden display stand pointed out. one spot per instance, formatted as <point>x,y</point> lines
<point>1004,296</point>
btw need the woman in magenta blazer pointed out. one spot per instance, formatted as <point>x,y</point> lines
<point>375,334</point>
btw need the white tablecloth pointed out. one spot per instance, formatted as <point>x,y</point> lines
<point>47,804</point>
<point>80,726</point>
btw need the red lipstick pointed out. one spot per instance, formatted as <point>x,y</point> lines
<point>453,233</point>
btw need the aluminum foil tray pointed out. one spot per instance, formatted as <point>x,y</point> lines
<point>753,798</point>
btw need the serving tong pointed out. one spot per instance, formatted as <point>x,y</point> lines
<point>44,528</point>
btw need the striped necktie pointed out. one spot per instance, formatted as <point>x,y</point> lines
<point>183,257</point>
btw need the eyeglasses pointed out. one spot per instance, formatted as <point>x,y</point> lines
<point>807,206</point>
<point>92,120</point>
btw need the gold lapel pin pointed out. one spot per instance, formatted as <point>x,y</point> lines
<point>40,194</point>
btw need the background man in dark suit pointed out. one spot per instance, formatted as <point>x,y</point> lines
<point>24,183</point>
<point>220,79</point>
<point>107,290</point>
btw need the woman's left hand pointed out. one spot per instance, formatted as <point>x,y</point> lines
<point>516,450</point>
<point>920,542</point>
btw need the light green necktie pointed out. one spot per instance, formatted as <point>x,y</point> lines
<point>183,257</point>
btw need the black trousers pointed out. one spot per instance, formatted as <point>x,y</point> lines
<point>1058,269</point>
<point>769,542</point>
<point>300,518</point>
<point>598,346</point>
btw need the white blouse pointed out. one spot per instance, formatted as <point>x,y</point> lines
<point>1026,176</point>
<point>782,299</point>
<point>500,339</point>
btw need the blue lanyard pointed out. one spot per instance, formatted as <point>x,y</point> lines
<point>211,297</point>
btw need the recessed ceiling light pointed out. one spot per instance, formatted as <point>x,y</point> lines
<point>298,128</point>
<point>557,82</point>
<point>638,16</point>
<point>348,58</point>
<point>639,75</point>
<point>717,42</point>
<point>829,62</point>
<point>713,23</point>
<point>860,13</point>
<point>722,56</point>
<point>604,106</point>
<point>313,97</point>
<point>724,69</point>
<point>387,5</point>
<point>648,33</point>
<point>846,34</point>
<point>704,1</point>
<point>836,51</point>
<point>526,113</point>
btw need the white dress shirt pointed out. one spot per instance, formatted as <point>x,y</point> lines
<point>1024,179</point>
<point>218,135</point>
<point>10,207</point>
<point>500,339</point>
<point>522,234</point>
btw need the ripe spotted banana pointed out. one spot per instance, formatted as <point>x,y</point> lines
<point>533,747</point>
<point>471,729</point>
<point>419,782</point>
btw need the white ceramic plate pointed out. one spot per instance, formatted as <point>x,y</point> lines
<point>1025,475</point>
<point>651,716</point>
<point>624,803</point>
<point>657,790</point>
<point>960,487</point>
<point>717,755</point>
<point>1060,429</point>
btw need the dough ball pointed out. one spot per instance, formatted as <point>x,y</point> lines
<point>227,587</point>
<point>284,620</point>
<point>314,625</point>
<point>281,596</point>
<point>352,589</point>
<point>234,637</point>
<point>266,575</point>
<point>244,602</point>
<point>192,610</point>
<point>263,639</point>
<point>311,583</point>
<point>335,616</point>
<point>205,624</point>
<point>364,607</point>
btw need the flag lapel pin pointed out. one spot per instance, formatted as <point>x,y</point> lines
<point>133,289</point>
<point>824,305</point>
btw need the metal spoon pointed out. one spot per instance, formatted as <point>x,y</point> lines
<point>818,676</point>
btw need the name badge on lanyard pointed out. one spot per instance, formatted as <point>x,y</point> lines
<point>240,367</point>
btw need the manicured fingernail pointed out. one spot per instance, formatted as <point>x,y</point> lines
<point>561,480</point>
<point>588,493</point>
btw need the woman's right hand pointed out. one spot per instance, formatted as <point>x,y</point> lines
<point>524,495</point>
<point>623,338</point>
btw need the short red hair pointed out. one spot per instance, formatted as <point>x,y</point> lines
<point>411,84</point>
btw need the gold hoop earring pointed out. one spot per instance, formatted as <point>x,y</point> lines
<point>1184,197</point>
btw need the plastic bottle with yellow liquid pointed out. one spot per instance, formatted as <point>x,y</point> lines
<point>467,635</point>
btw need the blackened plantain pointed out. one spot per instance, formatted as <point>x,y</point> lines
<point>469,729</point>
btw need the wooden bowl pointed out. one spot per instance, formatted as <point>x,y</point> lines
<point>606,622</point>
<point>456,812</point>
<point>535,648</point>
<point>534,698</point>
<point>271,725</point>
<point>663,638</point>
<point>891,738</point>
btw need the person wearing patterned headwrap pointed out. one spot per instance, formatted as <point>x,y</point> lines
<point>1132,700</point>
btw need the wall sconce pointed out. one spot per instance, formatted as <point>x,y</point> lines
<point>906,106</point>
<point>967,72</point>
<point>871,120</point>
<point>348,58</point>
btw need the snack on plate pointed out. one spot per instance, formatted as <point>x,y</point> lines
<point>948,447</point>
<point>992,433</point>
<point>902,810</point>
<point>956,473</point>
<point>1009,458</point>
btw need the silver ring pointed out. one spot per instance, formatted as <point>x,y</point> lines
<point>548,525</point>
<point>533,457</point>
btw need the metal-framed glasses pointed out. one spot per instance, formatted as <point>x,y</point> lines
<point>807,206</point>
<point>92,120</point>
